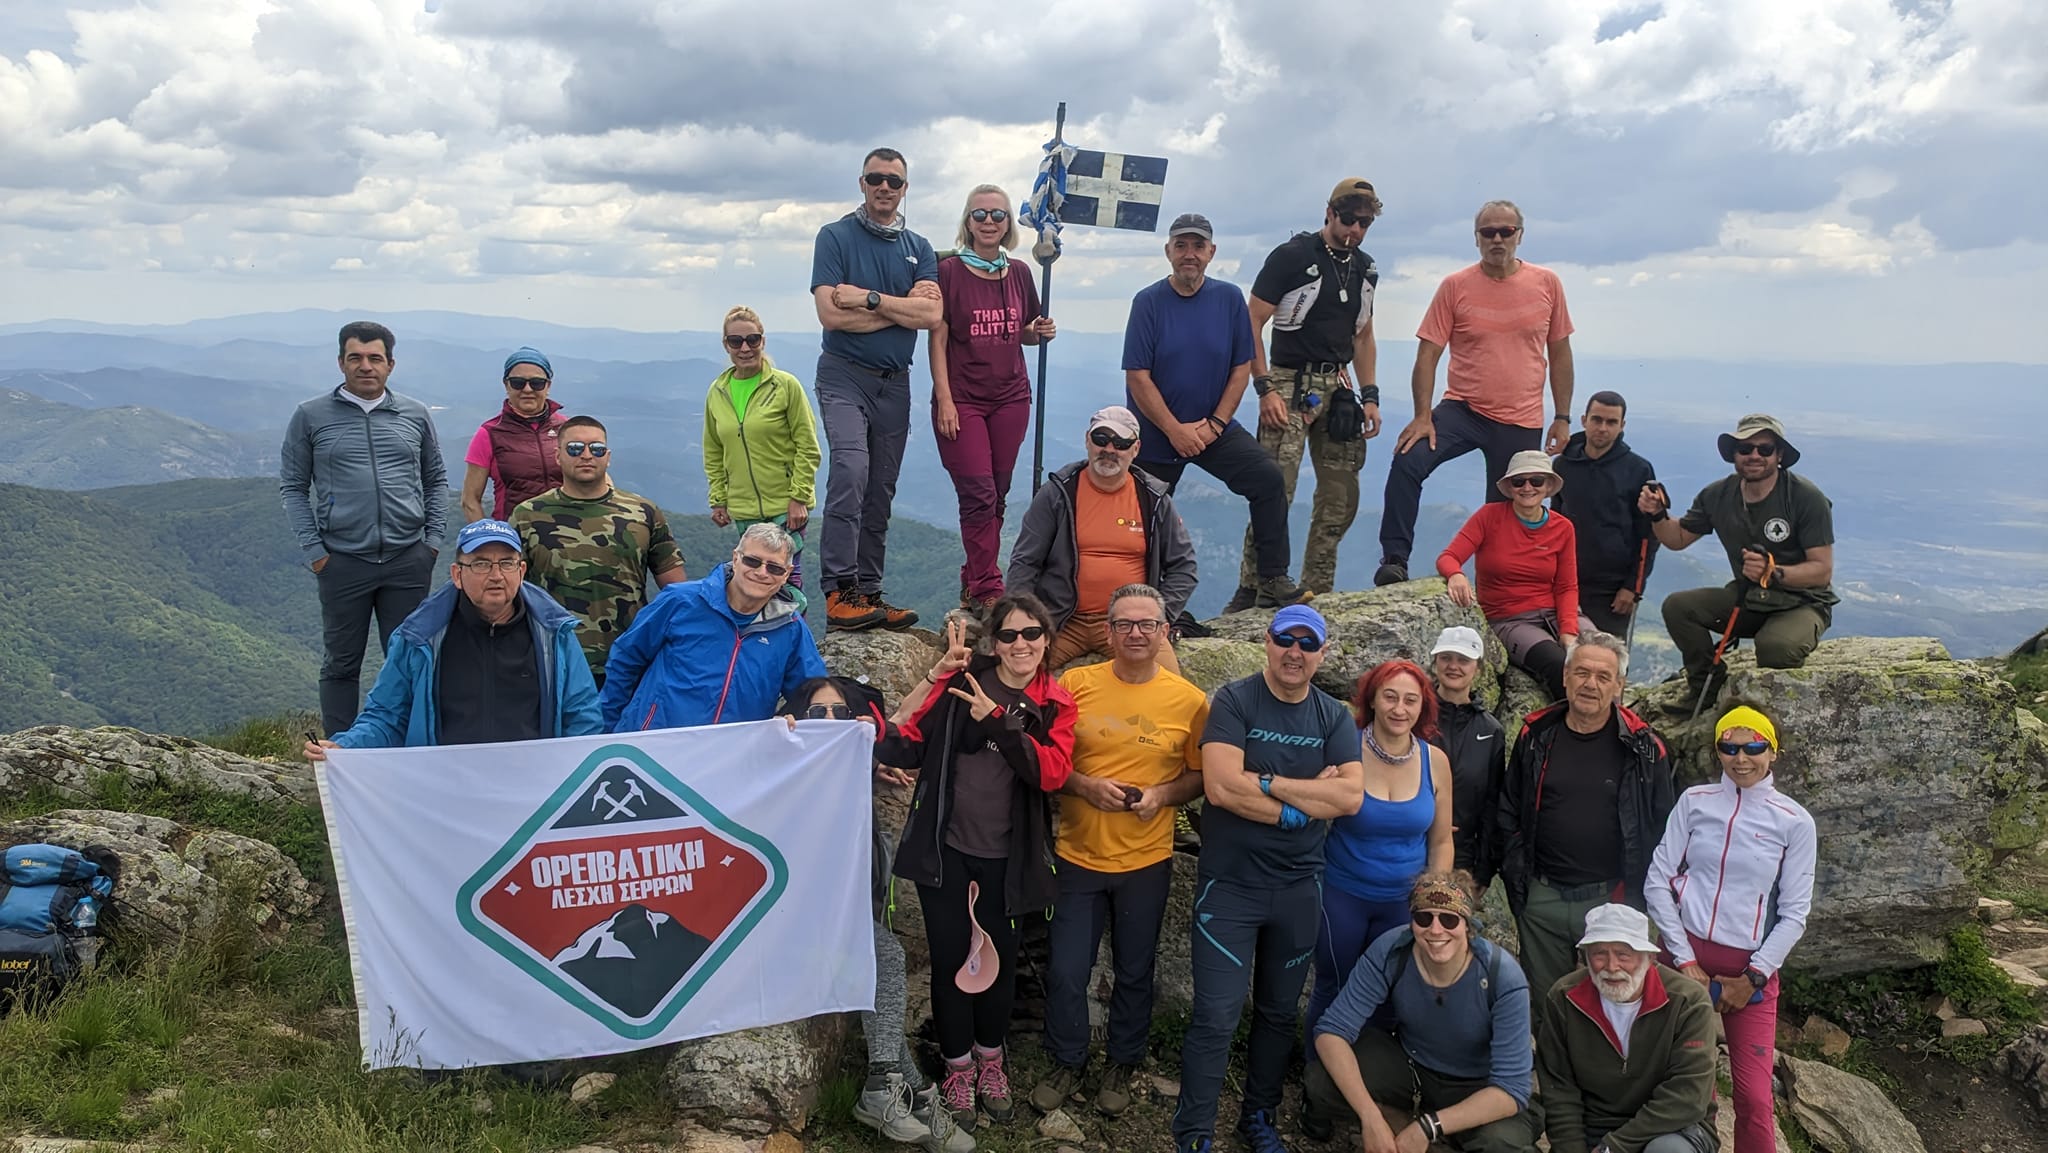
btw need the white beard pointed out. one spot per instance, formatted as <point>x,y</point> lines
<point>1619,993</point>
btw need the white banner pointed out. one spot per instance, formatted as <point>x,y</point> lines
<point>566,898</point>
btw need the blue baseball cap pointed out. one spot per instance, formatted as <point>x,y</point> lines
<point>477,534</point>
<point>529,355</point>
<point>1300,616</point>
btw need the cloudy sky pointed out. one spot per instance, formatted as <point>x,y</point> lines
<point>1853,180</point>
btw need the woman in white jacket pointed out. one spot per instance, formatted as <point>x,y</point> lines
<point>1729,887</point>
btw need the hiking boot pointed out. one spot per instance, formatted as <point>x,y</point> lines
<point>884,1105</point>
<point>1315,1124</point>
<point>956,1093</point>
<point>888,616</point>
<point>1058,1087</point>
<point>1390,572</point>
<point>1256,1130</point>
<point>944,1135</point>
<point>1113,1096</point>
<point>1245,597</point>
<point>1186,837</point>
<point>847,611</point>
<point>992,1085</point>
<point>1185,625</point>
<point>1277,591</point>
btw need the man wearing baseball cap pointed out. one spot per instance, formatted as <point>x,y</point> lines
<point>1320,390</point>
<point>1280,761</point>
<point>1625,1048</point>
<point>1478,750</point>
<point>1778,530</point>
<point>488,657</point>
<point>1093,527</point>
<point>1188,353</point>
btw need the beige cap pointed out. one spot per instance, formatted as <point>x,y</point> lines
<point>1117,419</point>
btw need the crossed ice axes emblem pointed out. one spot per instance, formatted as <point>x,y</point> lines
<point>619,805</point>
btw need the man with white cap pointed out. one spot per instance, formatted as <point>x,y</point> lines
<point>1778,529</point>
<point>1625,1048</point>
<point>1280,761</point>
<point>1093,527</point>
<point>1478,749</point>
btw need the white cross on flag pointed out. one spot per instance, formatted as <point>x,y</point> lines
<point>1114,190</point>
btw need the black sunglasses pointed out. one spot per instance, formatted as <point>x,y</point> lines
<point>1753,748</point>
<point>1028,632</point>
<point>1500,232</point>
<point>877,179</point>
<point>1289,640</point>
<point>596,448</point>
<point>1530,480</point>
<point>1348,219</point>
<point>1424,918</point>
<point>981,215</point>
<point>750,340</point>
<point>751,561</point>
<point>838,712</point>
<point>1767,448</point>
<point>1103,438</point>
<point>536,383</point>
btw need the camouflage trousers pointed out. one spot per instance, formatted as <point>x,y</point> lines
<point>1336,500</point>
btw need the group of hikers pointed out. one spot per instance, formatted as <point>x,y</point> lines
<point>1350,839</point>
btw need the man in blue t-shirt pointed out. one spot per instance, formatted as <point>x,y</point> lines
<point>1187,360</point>
<point>1279,763</point>
<point>875,284</point>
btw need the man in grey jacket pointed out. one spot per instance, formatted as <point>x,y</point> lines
<point>1093,527</point>
<point>366,494</point>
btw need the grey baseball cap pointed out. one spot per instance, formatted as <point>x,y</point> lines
<point>1193,222</point>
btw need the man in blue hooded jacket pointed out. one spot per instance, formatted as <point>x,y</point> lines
<point>722,649</point>
<point>486,658</point>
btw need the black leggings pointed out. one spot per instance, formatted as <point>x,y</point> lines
<point>960,1019</point>
<point>1545,662</point>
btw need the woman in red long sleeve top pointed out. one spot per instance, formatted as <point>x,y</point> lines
<point>1527,559</point>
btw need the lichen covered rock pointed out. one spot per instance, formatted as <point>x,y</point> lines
<point>78,762</point>
<point>1374,625</point>
<point>769,1075</point>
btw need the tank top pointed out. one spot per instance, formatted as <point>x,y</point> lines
<point>1376,853</point>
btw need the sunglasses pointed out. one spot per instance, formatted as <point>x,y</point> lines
<point>1768,448</point>
<point>1500,232</point>
<point>1103,438</point>
<point>752,561</point>
<point>983,215</point>
<point>1351,219</point>
<point>839,712</point>
<point>596,448</point>
<point>1536,480</point>
<point>1028,632</point>
<point>534,383</point>
<point>750,340</point>
<point>1424,918</point>
<point>1289,640</point>
<point>1753,748</point>
<point>877,179</point>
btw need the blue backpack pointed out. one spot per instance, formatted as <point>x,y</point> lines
<point>51,904</point>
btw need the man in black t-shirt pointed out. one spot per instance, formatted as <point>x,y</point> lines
<point>1279,762</point>
<point>1778,530</point>
<point>1317,289</point>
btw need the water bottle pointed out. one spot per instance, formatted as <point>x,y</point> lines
<point>85,915</point>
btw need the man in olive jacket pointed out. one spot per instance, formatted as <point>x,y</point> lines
<point>1625,1048</point>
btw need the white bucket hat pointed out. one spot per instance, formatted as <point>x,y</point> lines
<point>1619,925</point>
<point>1528,461</point>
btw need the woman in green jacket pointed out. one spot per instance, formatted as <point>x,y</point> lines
<point>760,440</point>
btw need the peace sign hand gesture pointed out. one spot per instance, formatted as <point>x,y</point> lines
<point>981,705</point>
<point>957,652</point>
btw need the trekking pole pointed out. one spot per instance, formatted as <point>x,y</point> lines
<point>1628,640</point>
<point>1728,635</point>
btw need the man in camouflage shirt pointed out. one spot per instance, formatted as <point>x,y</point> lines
<point>591,546</point>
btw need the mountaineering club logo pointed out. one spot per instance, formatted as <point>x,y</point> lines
<point>624,892</point>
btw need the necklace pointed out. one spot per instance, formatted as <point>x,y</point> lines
<point>1343,264</point>
<point>1382,754</point>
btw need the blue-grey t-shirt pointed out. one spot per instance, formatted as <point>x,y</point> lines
<point>847,253</point>
<point>1190,345</point>
<point>1287,740</point>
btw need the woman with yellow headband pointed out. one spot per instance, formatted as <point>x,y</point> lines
<point>1729,887</point>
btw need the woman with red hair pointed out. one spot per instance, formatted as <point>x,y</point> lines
<point>1402,830</point>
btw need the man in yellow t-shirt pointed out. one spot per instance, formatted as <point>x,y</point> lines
<point>1137,755</point>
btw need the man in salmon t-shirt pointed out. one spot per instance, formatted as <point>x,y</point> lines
<point>1503,321</point>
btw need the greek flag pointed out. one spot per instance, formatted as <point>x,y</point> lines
<point>1099,189</point>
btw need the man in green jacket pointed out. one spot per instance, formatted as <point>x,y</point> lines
<point>1625,1049</point>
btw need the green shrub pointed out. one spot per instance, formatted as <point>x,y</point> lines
<point>1967,977</point>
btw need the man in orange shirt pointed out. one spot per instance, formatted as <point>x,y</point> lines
<point>1504,323</point>
<point>1093,527</point>
<point>1137,755</point>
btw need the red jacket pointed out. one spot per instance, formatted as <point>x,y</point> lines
<point>1521,569</point>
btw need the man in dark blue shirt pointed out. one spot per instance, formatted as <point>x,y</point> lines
<point>875,284</point>
<point>1187,360</point>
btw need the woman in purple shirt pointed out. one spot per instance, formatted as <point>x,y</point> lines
<point>981,395</point>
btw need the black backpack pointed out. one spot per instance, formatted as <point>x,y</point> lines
<point>54,904</point>
<point>1345,421</point>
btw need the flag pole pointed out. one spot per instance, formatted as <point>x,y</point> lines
<point>1046,251</point>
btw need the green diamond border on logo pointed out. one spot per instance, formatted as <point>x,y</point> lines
<point>501,942</point>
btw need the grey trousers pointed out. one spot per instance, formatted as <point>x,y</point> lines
<point>351,587</point>
<point>867,424</point>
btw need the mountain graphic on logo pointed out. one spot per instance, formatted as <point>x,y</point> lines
<point>633,958</point>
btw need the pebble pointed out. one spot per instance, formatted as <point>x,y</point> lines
<point>1057,1126</point>
<point>590,1085</point>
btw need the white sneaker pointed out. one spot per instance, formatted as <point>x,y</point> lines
<point>943,1135</point>
<point>887,1110</point>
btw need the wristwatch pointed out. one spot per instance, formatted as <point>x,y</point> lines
<point>1262,384</point>
<point>874,300</point>
<point>1756,979</point>
<point>1560,417</point>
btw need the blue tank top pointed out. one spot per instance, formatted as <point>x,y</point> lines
<point>1377,853</point>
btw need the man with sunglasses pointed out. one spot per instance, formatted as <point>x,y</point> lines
<point>1094,527</point>
<point>593,547</point>
<point>875,284</point>
<point>514,451</point>
<point>1280,761</point>
<point>1504,323</point>
<point>719,650</point>
<point>487,658</point>
<point>1317,290</point>
<point>1778,530</point>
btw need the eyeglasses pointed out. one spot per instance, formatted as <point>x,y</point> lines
<point>1350,219</point>
<point>1766,448</point>
<point>1289,640</point>
<point>1533,480</point>
<point>877,179</point>
<point>1424,918</point>
<point>1103,438</point>
<point>839,712</point>
<point>507,565</point>
<point>1028,632</point>
<point>1142,628</point>
<point>751,561</point>
<point>983,215</point>
<point>535,383</point>
<point>595,448</point>
<point>1753,748</point>
<point>750,340</point>
<point>1500,232</point>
